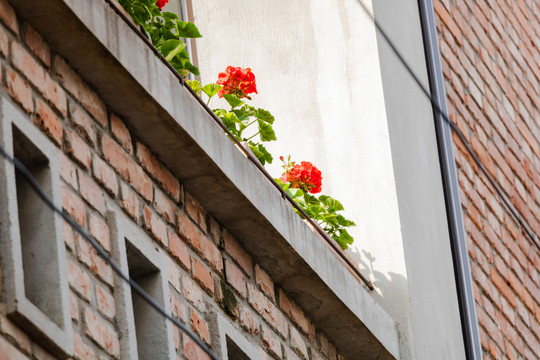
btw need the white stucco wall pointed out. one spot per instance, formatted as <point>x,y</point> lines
<point>318,69</point>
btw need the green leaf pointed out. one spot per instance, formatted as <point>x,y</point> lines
<point>233,100</point>
<point>211,89</point>
<point>187,30</point>
<point>332,204</point>
<point>265,131</point>
<point>171,48</point>
<point>169,15</point>
<point>264,115</point>
<point>194,85</point>
<point>261,153</point>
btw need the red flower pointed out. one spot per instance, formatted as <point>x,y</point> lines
<point>237,81</point>
<point>161,3</point>
<point>304,176</point>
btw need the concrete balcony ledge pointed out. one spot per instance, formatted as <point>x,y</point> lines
<point>161,113</point>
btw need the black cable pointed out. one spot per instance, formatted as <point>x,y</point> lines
<point>36,187</point>
<point>515,214</point>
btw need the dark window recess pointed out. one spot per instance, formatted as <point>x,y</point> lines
<point>37,232</point>
<point>147,321</point>
<point>234,352</point>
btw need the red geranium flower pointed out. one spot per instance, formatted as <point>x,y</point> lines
<point>161,3</point>
<point>237,81</point>
<point>304,176</point>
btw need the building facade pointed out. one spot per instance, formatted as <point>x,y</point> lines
<point>133,157</point>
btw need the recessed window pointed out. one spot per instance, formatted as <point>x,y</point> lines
<point>234,352</point>
<point>231,343</point>
<point>146,334</point>
<point>32,253</point>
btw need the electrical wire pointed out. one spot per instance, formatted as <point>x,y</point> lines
<point>140,291</point>
<point>515,213</point>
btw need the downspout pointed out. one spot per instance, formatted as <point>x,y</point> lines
<point>462,271</point>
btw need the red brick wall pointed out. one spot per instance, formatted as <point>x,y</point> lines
<point>491,64</point>
<point>101,162</point>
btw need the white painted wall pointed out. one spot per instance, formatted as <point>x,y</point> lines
<point>318,70</point>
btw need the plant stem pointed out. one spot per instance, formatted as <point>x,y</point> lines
<point>252,136</point>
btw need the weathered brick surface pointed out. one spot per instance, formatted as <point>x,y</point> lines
<point>104,168</point>
<point>489,52</point>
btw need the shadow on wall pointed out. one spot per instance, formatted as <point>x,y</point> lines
<point>386,285</point>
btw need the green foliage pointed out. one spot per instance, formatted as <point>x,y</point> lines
<point>165,31</point>
<point>322,209</point>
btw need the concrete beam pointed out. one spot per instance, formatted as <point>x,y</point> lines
<point>166,117</point>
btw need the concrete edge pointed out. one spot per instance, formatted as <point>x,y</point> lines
<point>100,46</point>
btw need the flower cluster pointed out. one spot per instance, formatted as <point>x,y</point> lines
<point>161,3</point>
<point>237,81</point>
<point>303,176</point>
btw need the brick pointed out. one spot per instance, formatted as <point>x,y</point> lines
<point>264,281</point>
<point>4,43</point>
<point>298,344</point>
<point>215,231</point>
<point>47,120</point>
<point>248,320</point>
<point>69,238</point>
<point>203,276</point>
<point>164,206</point>
<point>73,307</point>
<point>18,335</point>
<point>156,226</point>
<point>206,248</point>
<point>267,309</point>
<point>39,47</point>
<point>233,248</point>
<point>195,210</point>
<point>79,281</point>
<point>179,250</point>
<point>8,16</point>
<point>77,149</point>
<point>81,350</point>
<point>236,278</point>
<point>121,133</point>
<point>83,123</point>
<point>8,351</point>
<point>91,192</point>
<point>100,231</point>
<point>74,84</point>
<point>191,350</point>
<point>127,167</point>
<point>200,327</point>
<point>193,293</point>
<point>87,255</point>
<point>36,74</point>
<point>173,273</point>
<point>271,342</point>
<point>159,172</point>
<point>19,90</point>
<point>68,171</point>
<point>41,354</point>
<point>104,175</point>
<point>297,315</point>
<point>102,333</point>
<point>129,201</point>
<point>105,302</point>
<point>73,205</point>
<point>178,309</point>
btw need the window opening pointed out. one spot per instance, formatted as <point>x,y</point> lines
<point>36,230</point>
<point>146,275</point>
<point>234,352</point>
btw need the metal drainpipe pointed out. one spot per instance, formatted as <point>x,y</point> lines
<point>462,271</point>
